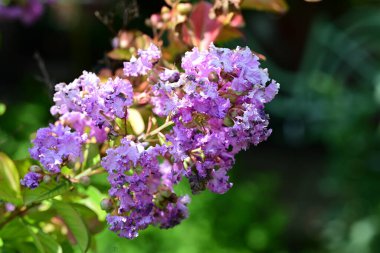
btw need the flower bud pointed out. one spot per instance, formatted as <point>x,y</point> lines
<point>46,179</point>
<point>35,168</point>
<point>155,19</point>
<point>213,77</point>
<point>165,14</point>
<point>85,180</point>
<point>174,78</point>
<point>106,205</point>
<point>228,122</point>
<point>184,8</point>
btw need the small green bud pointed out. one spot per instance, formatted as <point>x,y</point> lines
<point>47,179</point>
<point>228,122</point>
<point>106,205</point>
<point>85,180</point>
<point>35,168</point>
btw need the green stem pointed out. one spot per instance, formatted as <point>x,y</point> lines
<point>90,171</point>
<point>157,130</point>
<point>85,156</point>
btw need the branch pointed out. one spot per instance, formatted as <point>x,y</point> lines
<point>18,213</point>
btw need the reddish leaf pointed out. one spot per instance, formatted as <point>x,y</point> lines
<point>237,21</point>
<point>279,6</point>
<point>202,30</point>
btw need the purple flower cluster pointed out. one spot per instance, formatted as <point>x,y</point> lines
<point>84,125</point>
<point>32,180</point>
<point>143,187</point>
<point>54,146</point>
<point>100,102</point>
<point>217,106</point>
<point>143,63</point>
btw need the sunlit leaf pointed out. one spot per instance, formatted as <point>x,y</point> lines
<point>45,191</point>
<point>9,181</point>
<point>91,155</point>
<point>136,121</point>
<point>3,108</point>
<point>120,54</point>
<point>23,165</point>
<point>94,198</point>
<point>74,223</point>
<point>279,6</point>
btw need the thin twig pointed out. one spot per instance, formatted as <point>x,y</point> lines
<point>19,213</point>
<point>45,78</point>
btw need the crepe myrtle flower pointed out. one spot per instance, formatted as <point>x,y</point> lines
<point>143,187</point>
<point>100,102</point>
<point>143,63</point>
<point>56,145</point>
<point>32,180</point>
<point>217,106</point>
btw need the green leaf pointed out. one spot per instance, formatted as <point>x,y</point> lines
<point>48,243</point>
<point>24,247</point>
<point>36,240</point>
<point>136,121</point>
<point>74,223</point>
<point>100,182</point>
<point>10,181</point>
<point>94,197</point>
<point>3,108</point>
<point>14,230</point>
<point>41,216</point>
<point>92,155</point>
<point>120,54</point>
<point>44,242</point>
<point>46,191</point>
<point>23,165</point>
<point>90,218</point>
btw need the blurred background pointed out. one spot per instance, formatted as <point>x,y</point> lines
<point>314,186</point>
